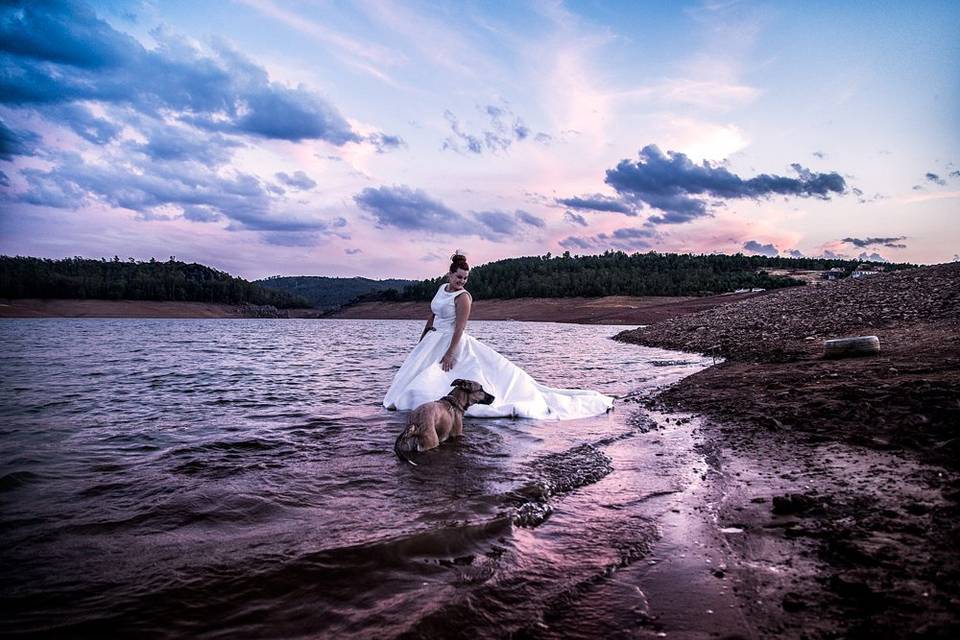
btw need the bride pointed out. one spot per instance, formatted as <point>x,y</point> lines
<point>446,352</point>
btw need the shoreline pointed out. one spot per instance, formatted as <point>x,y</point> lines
<point>622,310</point>
<point>837,481</point>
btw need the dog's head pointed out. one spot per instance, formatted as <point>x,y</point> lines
<point>472,392</point>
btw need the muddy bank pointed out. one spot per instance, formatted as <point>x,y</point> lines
<point>607,310</point>
<point>838,480</point>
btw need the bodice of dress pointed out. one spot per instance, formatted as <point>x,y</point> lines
<point>444,308</point>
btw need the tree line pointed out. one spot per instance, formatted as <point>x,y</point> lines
<point>25,277</point>
<point>329,293</point>
<point>618,273</point>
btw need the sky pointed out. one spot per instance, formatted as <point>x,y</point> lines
<point>373,137</point>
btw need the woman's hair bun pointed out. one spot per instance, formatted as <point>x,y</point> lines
<point>458,261</point>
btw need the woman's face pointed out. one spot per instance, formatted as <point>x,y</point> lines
<point>458,278</point>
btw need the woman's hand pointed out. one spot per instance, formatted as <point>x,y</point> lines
<point>447,362</point>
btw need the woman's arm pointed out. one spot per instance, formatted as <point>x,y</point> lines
<point>427,327</point>
<point>463,303</point>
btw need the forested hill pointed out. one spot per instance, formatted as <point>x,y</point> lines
<point>617,273</point>
<point>116,279</point>
<point>329,293</point>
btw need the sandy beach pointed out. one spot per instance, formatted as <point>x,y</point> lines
<point>837,479</point>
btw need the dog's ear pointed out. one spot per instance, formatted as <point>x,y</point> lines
<point>458,382</point>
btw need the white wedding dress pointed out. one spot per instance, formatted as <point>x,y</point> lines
<point>422,379</point>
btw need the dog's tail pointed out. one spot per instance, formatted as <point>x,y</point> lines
<point>403,442</point>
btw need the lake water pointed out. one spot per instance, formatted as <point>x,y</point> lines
<point>236,478</point>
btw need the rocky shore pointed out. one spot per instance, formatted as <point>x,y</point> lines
<point>839,479</point>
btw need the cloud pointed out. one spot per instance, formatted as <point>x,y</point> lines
<point>820,154</point>
<point>471,142</point>
<point>598,202</point>
<point>62,53</point>
<point>626,239</point>
<point>830,255</point>
<point>499,225</point>
<point>16,143</point>
<point>201,194</point>
<point>82,122</point>
<point>752,246</point>
<point>862,243</point>
<point>794,253</point>
<point>871,257</point>
<point>299,180</point>
<point>410,209</point>
<point>200,213</point>
<point>574,218</point>
<point>677,186</point>
<point>936,179</point>
<point>530,219</point>
<point>955,174</point>
<point>353,252</point>
<point>503,129</point>
<point>384,143</point>
<point>4,179</point>
<point>172,143</point>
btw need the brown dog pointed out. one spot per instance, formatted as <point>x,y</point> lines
<point>433,422</point>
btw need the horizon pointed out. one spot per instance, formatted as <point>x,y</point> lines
<point>259,137</point>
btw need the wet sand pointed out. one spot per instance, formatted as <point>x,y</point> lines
<point>837,482</point>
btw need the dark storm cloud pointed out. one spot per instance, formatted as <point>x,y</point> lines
<point>575,218</point>
<point>863,243</point>
<point>677,186</point>
<point>4,179</point>
<point>59,53</point>
<point>936,179</point>
<point>16,143</point>
<point>598,202</point>
<point>752,246</point>
<point>299,180</point>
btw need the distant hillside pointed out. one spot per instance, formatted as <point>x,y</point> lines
<point>80,278</point>
<point>616,273</point>
<point>330,293</point>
